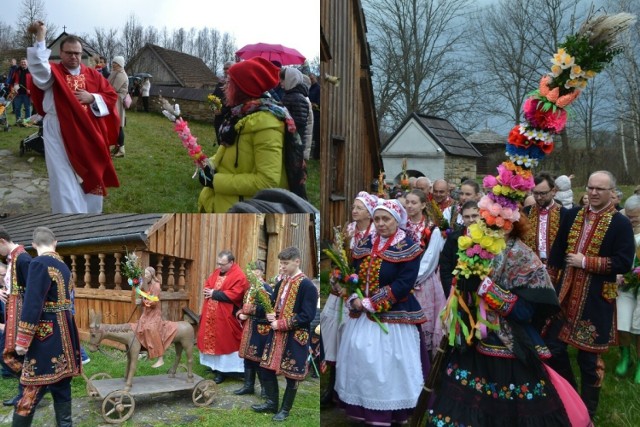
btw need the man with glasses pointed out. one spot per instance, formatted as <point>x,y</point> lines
<point>545,216</point>
<point>594,244</point>
<point>80,123</point>
<point>220,331</point>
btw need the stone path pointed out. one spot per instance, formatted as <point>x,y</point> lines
<point>21,191</point>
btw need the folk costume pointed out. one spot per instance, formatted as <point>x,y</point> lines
<point>587,295</point>
<point>449,259</point>
<point>77,136</point>
<point>18,262</point>
<point>428,288</point>
<point>48,330</point>
<point>544,227</point>
<point>448,201</point>
<point>154,333</point>
<point>371,384</point>
<point>287,349</point>
<point>220,332</point>
<point>255,332</point>
<point>501,379</point>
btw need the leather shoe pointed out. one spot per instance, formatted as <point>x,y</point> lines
<point>10,402</point>
<point>218,378</point>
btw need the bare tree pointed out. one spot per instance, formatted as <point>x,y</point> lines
<point>106,42</point>
<point>416,61</point>
<point>227,49</point>
<point>32,10</point>
<point>6,36</point>
<point>179,38</point>
<point>131,37</point>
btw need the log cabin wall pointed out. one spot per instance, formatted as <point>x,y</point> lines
<point>350,142</point>
<point>183,249</point>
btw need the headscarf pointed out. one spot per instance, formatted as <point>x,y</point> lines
<point>395,208</point>
<point>370,201</point>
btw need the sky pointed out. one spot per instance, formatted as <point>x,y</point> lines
<point>293,23</point>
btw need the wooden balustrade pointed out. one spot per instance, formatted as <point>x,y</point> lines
<point>104,271</point>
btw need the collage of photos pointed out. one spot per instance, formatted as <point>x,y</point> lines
<point>320,213</point>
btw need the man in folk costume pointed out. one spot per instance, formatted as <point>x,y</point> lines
<point>80,122</point>
<point>545,216</point>
<point>287,347</point>
<point>220,331</point>
<point>12,294</point>
<point>594,243</point>
<point>441,194</point>
<point>47,335</point>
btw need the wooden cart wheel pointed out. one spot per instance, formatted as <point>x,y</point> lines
<point>204,392</point>
<point>92,391</point>
<point>118,407</point>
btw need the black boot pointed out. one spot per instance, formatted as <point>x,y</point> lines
<point>249,382</point>
<point>219,377</point>
<point>20,421</point>
<point>271,404</point>
<point>591,396</point>
<point>287,402</point>
<point>63,414</point>
<point>326,398</point>
<point>263,391</point>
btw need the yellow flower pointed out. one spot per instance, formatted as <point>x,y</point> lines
<point>563,59</point>
<point>486,242</point>
<point>576,71</point>
<point>476,232</point>
<point>556,70</point>
<point>589,74</point>
<point>464,242</point>
<point>497,246</point>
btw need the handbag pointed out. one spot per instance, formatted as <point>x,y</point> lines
<point>127,101</point>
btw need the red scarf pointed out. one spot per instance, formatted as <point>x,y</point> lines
<point>86,137</point>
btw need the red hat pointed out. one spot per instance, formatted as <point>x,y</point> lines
<point>255,76</point>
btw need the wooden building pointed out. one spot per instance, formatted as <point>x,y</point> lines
<point>176,75</point>
<point>349,139</point>
<point>432,146</point>
<point>492,146</point>
<point>181,247</point>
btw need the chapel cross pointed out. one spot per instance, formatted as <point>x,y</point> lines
<point>64,28</point>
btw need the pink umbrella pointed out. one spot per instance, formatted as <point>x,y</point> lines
<point>272,52</point>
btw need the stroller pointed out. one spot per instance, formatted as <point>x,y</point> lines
<point>33,142</point>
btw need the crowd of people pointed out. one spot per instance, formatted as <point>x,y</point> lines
<point>555,285</point>
<point>270,113</point>
<point>248,327</point>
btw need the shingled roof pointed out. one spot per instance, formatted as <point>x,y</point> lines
<point>188,70</point>
<point>77,230</point>
<point>487,136</point>
<point>443,133</point>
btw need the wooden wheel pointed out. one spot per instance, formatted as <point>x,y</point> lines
<point>118,407</point>
<point>91,389</point>
<point>204,392</point>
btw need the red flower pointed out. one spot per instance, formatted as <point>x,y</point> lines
<point>516,138</point>
<point>547,120</point>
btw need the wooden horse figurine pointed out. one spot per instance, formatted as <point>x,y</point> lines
<point>124,334</point>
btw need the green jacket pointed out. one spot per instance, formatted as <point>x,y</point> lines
<point>258,153</point>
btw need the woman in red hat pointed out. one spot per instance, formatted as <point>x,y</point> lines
<point>251,153</point>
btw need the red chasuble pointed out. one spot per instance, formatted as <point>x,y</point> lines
<point>220,332</point>
<point>86,137</point>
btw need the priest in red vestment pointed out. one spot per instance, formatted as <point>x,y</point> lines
<point>220,331</point>
<point>80,123</point>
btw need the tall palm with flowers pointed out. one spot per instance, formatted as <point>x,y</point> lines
<point>578,59</point>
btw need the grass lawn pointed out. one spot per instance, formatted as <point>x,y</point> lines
<point>171,409</point>
<point>155,175</point>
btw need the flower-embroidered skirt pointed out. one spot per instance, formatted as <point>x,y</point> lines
<point>480,390</point>
<point>378,375</point>
<point>332,318</point>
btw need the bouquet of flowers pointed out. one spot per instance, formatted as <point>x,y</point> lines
<point>132,270</point>
<point>579,58</point>
<point>204,167</point>
<point>256,289</point>
<point>404,178</point>
<point>344,273</point>
<point>215,103</point>
<point>632,281</point>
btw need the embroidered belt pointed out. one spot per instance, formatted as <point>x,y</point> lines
<point>56,307</point>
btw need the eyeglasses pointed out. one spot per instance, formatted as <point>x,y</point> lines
<point>541,193</point>
<point>72,53</point>
<point>597,189</point>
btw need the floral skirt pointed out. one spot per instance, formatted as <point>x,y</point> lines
<point>479,390</point>
<point>432,300</point>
